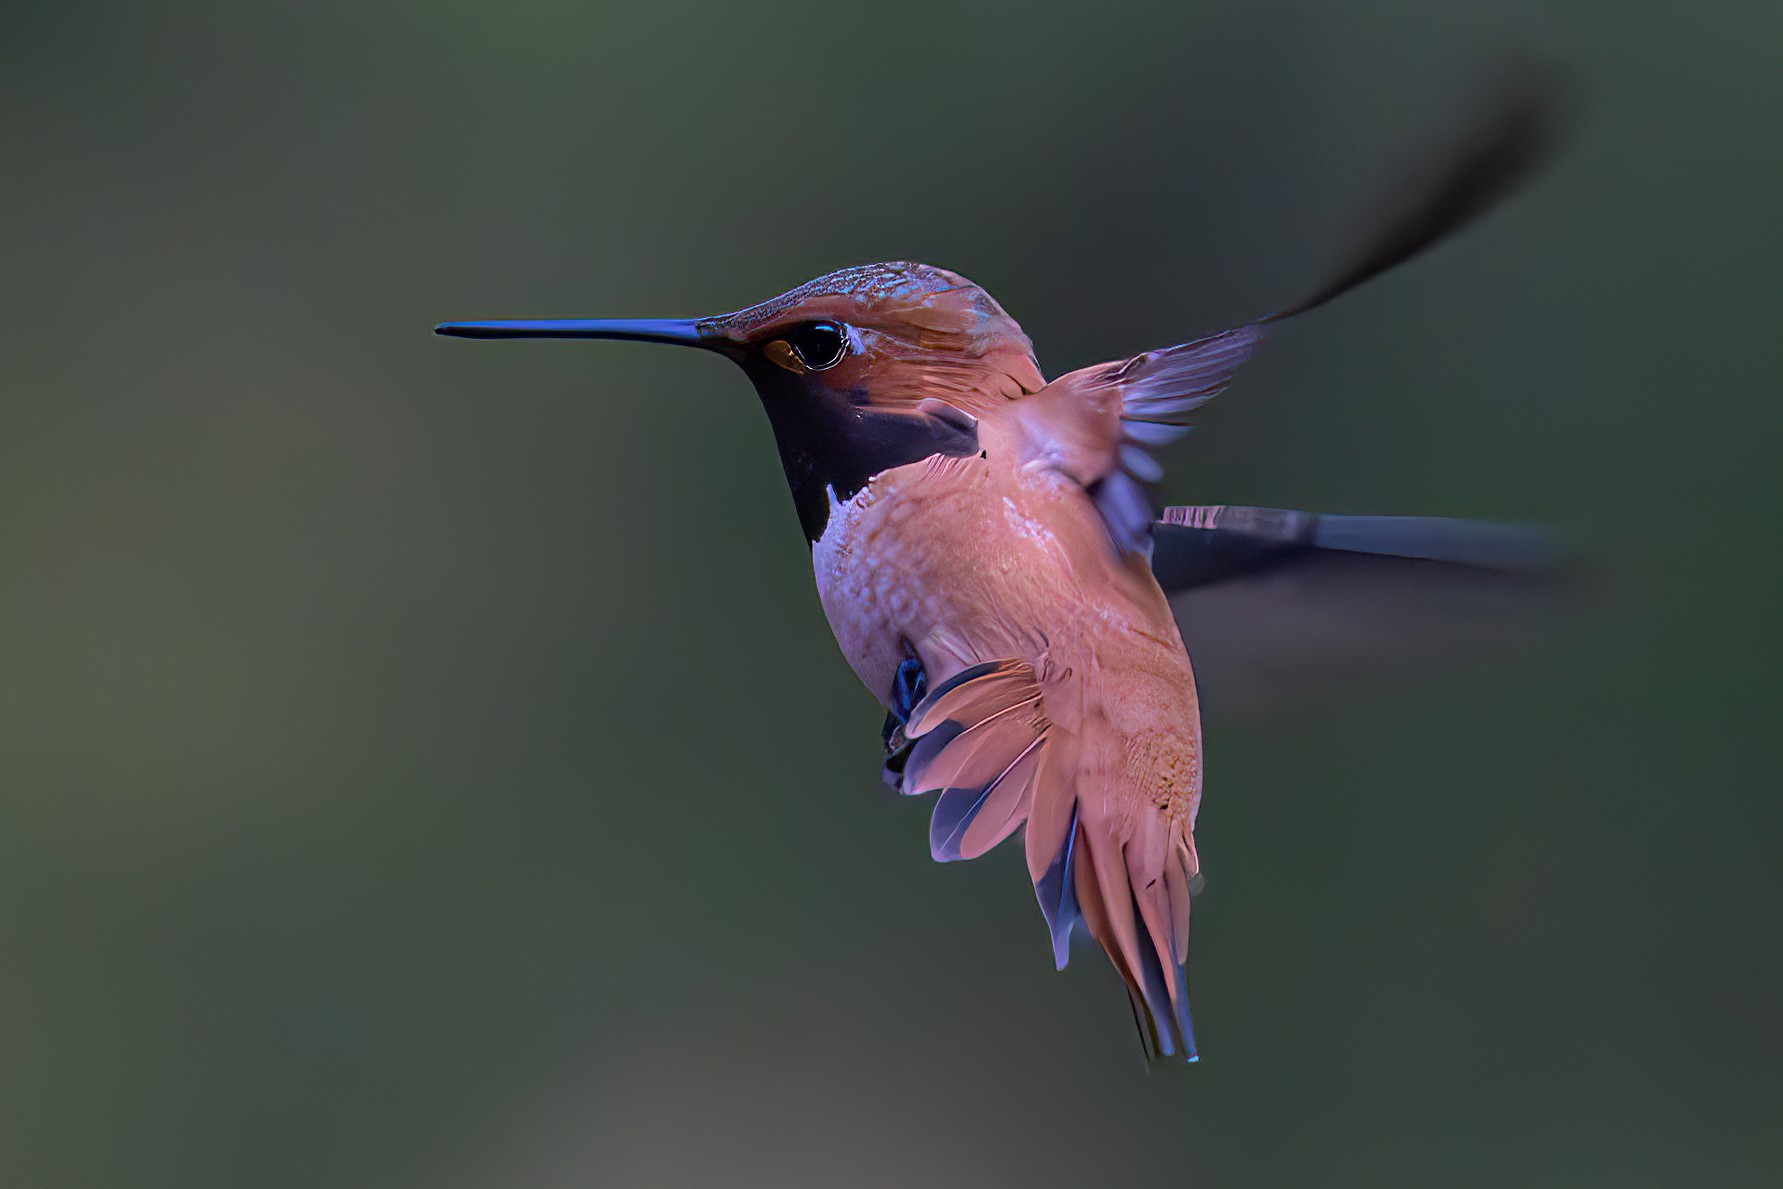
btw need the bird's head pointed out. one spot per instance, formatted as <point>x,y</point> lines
<point>887,335</point>
<point>859,370</point>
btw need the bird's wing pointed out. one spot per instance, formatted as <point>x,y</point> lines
<point>1100,424</point>
<point>1275,606</point>
<point>980,740</point>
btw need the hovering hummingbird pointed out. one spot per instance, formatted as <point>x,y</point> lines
<point>989,560</point>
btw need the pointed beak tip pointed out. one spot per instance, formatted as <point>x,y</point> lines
<point>465,330</point>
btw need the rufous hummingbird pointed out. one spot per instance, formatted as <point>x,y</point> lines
<point>990,561</point>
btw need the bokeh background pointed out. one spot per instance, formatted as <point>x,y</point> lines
<point>425,763</point>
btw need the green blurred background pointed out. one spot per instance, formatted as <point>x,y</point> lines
<point>425,763</point>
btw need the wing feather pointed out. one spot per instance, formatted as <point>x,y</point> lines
<point>1158,391</point>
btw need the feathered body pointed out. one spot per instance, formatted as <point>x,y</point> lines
<point>1091,733</point>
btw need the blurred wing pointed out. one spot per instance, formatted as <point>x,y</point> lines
<point>1154,394</point>
<point>1275,605</point>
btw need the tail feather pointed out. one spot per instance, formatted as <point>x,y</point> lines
<point>1149,867</point>
<point>1051,841</point>
<point>976,694</point>
<point>975,757</point>
<point>1131,923</point>
<point>980,742</point>
<point>1005,805</point>
<point>1056,889</point>
<point>1181,881</point>
<point>968,822</point>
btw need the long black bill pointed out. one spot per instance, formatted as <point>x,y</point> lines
<point>684,332</point>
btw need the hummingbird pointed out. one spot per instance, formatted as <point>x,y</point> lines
<point>989,558</point>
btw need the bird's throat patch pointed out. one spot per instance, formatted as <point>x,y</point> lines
<point>839,449</point>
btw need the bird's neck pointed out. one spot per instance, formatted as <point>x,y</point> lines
<point>837,446</point>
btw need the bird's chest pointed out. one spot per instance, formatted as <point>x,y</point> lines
<point>932,559</point>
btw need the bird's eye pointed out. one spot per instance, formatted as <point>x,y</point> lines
<point>818,344</point>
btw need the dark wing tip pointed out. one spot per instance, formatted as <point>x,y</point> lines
<point>1515,134</point>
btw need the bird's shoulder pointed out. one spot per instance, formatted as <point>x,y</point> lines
<point>1070,426</point>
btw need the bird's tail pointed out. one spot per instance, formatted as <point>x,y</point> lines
<point>983,741</point>
<point>1134,897</point>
